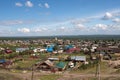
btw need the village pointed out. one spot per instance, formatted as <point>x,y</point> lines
<point>59,56</point>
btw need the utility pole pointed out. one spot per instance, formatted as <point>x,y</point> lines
<point>32,73</point>
<point>98,69</point>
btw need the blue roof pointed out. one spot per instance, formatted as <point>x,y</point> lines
<point>50,48</point>
<point>2,61</point>
<point>69,46</point>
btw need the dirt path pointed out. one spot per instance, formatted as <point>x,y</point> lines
<point>27,76</point>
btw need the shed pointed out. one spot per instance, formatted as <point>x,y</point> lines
<point>46,65</point>
<point>21,49</point>
<point>53,59</point>
<point>2,61</point>
<point>8,51</point>
<point>61,65</point>
<point>78,58</point>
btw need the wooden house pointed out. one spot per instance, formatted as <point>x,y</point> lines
<point>45,66</point>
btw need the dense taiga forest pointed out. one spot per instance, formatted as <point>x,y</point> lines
<point>84,37</point>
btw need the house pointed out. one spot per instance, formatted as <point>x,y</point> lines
<point>21,49</point>
<point>60,51</point>
<point>50,48</point>
<point>53,59</point>
<point>78,58</point>
<point>8,51</point>
<point>45,66</point>
<point>40,50</point>
<point>67,47</point>
<point>5,64</point>
<point>61,66</point>
<point>71,50</point>
<point>2,61</point>
<point>110,49</point>
<point>103,49</point>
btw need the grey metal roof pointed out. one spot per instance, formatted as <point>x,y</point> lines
<point>78,58</point>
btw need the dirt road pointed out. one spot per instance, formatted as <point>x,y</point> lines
<point>65,76</point>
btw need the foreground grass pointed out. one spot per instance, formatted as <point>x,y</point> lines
<point>5,76</point>
<point>49,77</point>
<point>104,69</point>
<point>91,78</point>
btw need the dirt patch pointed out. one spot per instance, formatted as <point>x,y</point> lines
<point>6,76</point>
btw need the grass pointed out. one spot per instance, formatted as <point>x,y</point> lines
<point>26,64</point>
<point>92,78</point>
<point>5,76</point>
<point>49,77</point>
<point>104,69</point>
<point>111,78</point>
<point>117,71</point>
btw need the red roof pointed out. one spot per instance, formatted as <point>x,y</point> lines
<point>73,50</point>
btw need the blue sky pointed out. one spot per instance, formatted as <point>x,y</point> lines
<point>59,17</point>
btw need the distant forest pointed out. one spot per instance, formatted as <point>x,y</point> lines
<point>82,37</point>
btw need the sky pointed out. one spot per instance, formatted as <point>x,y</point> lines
<point>59,17</point>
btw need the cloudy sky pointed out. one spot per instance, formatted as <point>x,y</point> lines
<point>59,17</point>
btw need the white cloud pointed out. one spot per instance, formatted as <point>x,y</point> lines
<point>24,30</point>
<point>100,27</point>
<point>117,20</point>
<point>107,16</point>
<point>29,4</point>
<point>47,5</point>
<point>18,4</point>
<point>80,26</point>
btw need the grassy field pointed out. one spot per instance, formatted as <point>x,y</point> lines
<point>5,76</point>
<point>49,77</point>
<point>104,69</point>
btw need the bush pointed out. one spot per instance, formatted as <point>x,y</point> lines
<point>90,65</point>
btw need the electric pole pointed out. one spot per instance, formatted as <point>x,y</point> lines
<point>32,73</point>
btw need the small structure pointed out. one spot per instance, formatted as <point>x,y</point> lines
<point>21,49</point>
<point>71,64</point>
<point>50,48</point>
<point>78,58</point>
<point>2,61</point>
<point>8,51</point>
<point>45,66</point>
<point>67,47</point>
<point>53,59</point>
<point>40,50</point>
<point>61,66</point>
<point>71,50</point>
<point>5,64</point>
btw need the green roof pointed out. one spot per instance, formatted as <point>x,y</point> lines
<point>61,64</point>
